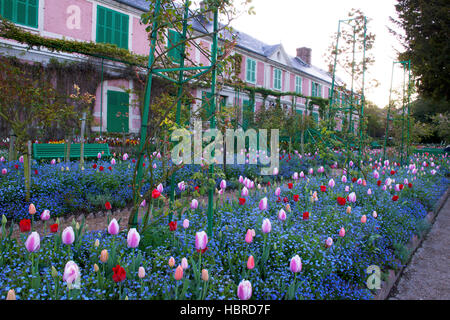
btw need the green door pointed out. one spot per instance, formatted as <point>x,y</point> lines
<point>248,113</point>
<point>206,105</point>
<point>117,106</point>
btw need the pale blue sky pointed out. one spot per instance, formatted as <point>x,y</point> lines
<point>298,23</point>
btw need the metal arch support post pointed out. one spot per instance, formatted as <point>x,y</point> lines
<point>363,98</point>
<point>333,82</point>
<point>179,95</point>
<point>144,121</point>
<point>408,104</point>
<point>213,120</point>
<point>101,103</point>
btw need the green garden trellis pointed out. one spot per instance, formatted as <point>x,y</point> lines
<point>406,96</point>
<point>180,81</point>
<point>353,100</point>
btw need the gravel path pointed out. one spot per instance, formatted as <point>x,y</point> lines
<point>427,276</point>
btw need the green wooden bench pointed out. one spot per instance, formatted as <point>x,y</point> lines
<point>56,150</point>
<point>434,151</point>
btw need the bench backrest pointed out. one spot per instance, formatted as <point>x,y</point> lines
<point>50,150</point>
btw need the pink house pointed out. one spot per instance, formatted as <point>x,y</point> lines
<point>118,22</point>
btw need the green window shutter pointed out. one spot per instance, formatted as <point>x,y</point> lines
<point>251,70</point>
<point>298,84</point>
<point>315,117</point>
<point>277,79</point>
<point>23,12</point>
<point>313,89</point>
<point>174,53</point>
<point>112,27</point>
<point>300,112</point>
<point>248,112</point>
<point>117,111</point>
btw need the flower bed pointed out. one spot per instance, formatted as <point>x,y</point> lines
<point>337,229</point>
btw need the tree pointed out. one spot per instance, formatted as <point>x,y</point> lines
<point>426,25</point>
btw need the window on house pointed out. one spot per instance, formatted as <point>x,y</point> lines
<point>23,12</point>
<point>277,79</point>
<point>316,89</point>
<point>298,84</point>
<point>112,27</point>
<point>173,44</point>
<point>251,71</point>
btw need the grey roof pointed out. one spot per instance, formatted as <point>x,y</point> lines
<point>245,42</point>
<point>138,4</point>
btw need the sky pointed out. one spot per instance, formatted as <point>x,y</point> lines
<point>299,23</point>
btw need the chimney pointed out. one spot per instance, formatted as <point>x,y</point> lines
<point>304,54</point>
<point>208,15</point>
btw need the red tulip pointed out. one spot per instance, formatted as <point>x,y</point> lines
<point>155,194</point>
<point>400,186</point>
<point>392,172</point>
<point>379,182</point>
<point>54,228</point>
<point>395,198</point>
<point>16,166</point>
<point>296,197</point>
<point>354,179</point>
<point>290,185</point>
<point>278,199</point>
<point>94,166</point>
<point>108,205</point>
<point>410,185</point>
<point>25,225</point>
<point>241,201</point>
<point>305,215</point>
<point>341,201</point>
<point>173,225</point>
<point>100,168</point>
<point>35,172</point>
<point>119,274</point>
<point>323,188</point>
<point>110,169</point>
<point>285,199</point>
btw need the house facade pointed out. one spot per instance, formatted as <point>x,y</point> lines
<point>119,22</point>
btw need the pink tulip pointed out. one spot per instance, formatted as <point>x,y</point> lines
<point>2,159</point>
<point>275,171</point>
<point>125,157</point>
<point>344,179</point>
<point>31,209</point>
<point>369,192</point>
<point>141,272</point>
<point>194,204</point>
<point>295,264</point>
<point>133,238</point>
<point>331,183</point>
<point>201,239</point>
<point>21,159</point>
<point>302,175</point>
<point>223,184</point>
<point>33,242</point>
<point>171,262</point>
<point>263,204</point>
<point>178,273</point>
<point>244,291</point>
<point>4,171</point>
<point>350,163</point>
<point>250,263</point>
<point>277,191</point>
<point>71,272</point>
<point>113,161</point>
<point>311,171</point>
<point>374,214</point>
<point>266,226</point>
<point>359,181</point>
<point>282,215</point>
<point>364,218</point>
<point>376,175</point>
<point>181,186</point>
<point>68,236</point>
<point>113,227</point>
<point>352,197</point>
<point>342,232</point>
<point>249,236</point>
<point>241,179</point>
<point>45,215</point>
<point>185,223</point>
<point>53,162</point>
<point>99,155</point>
<point>295,176</point>
<point>160,188</point>
<point>184,263</point>
<point>329,242</point>
<point>244,192</point>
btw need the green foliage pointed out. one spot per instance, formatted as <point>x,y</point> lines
<point>426,26</point>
